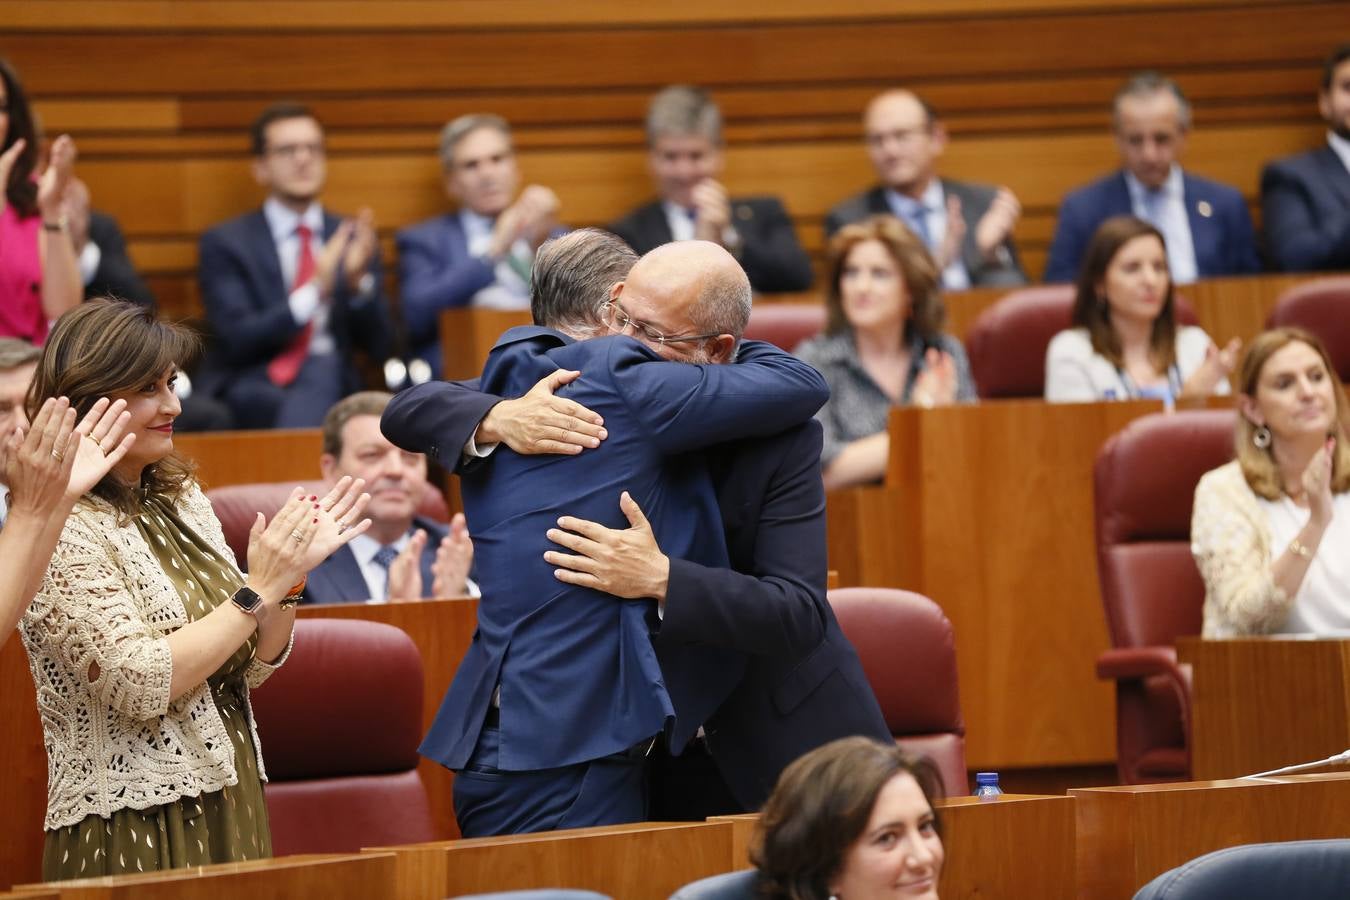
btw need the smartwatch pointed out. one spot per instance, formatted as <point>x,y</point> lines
<point>248,600</point>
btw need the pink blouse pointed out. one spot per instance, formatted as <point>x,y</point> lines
<point>21,313</point>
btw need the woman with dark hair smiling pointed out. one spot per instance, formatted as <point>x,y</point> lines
<point>39,273</point>
<point>1125,343</point>
<point>851,820</point>
<point>144,637</point>
<point>883,345</point>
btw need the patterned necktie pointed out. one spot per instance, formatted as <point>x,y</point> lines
<point>286,365</point>
<point>384,558</point>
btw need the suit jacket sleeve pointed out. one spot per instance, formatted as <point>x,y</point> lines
<point>437,419</point>
<point>1241,240</point>
<point>115,276</point>
<point>372,327</point>
<point>1070,240</point>
<point>770,253</point>
<point>249,330</point>
<point>1297,237</point>
<point>777,606</point>
<point>685,407</point>
<point>436,274</point>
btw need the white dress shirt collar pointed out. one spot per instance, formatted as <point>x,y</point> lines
<point>364,547</point>
<point>1341,147</point>
<point>282,220</point>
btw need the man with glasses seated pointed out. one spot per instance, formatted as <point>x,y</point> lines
<point>290,290</point>
<point>561,696</point>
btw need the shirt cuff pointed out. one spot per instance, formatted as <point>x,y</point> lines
<point>472,450</point>
<point>471,588</point>
<point>304,302</point>
<point>90,257</point>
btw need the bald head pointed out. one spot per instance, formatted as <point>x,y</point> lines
<point>572,277</point>
<point>687,288</point>
<point>904,140</point>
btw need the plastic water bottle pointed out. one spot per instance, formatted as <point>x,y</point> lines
<point>986,786</point>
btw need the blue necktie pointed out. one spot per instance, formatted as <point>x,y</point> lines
<point>384,558</point>
<point>917,219</point>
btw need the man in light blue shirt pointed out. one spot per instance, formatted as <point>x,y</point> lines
<point>1205,224</point>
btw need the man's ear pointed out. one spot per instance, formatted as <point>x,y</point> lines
<point>328,467</point>
<point>1247,406</point>
<point>723,349</point>
<point>1324,104</point>
<point>260,172</point>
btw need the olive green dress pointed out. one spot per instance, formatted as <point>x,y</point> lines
<point>222,826</point>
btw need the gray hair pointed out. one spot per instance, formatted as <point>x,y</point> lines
<point>1146,84</point>
<point>460,128</point>
<point>15,353</point>
<point>572,277</point>
<point>724,303</point>
<point>681,109</point>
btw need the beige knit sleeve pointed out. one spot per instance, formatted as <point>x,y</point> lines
<point>1232,552</point>
<point>86,621</point>
<point>259,671</point>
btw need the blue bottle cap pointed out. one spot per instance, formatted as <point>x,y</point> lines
<point>986,778</point>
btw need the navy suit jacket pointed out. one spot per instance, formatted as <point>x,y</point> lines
<point>1225,243</point>
<point>804,685</point>
<point>1305,204</point>
<point>115,275</point>
<point>245,298</point>
<point>578,674</point>
<point>338,578</point>
<point>769,251</point>
<point>435,273</point>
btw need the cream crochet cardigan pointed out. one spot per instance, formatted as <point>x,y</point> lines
<point>1231,546</point>
<point>118,742</point>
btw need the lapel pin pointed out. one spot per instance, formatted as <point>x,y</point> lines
<point>744,212</point>
<point>1204,209</point>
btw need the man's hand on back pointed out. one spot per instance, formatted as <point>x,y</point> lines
<point>540,422</point>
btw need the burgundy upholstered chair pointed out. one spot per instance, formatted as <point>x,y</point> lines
<point>339,724</point>
<point>235,506</point>
<point>785,325</point>
<point>1145,480</point>
<point>1321,306</point>
<point>908,651</point>
<point>1007,342</point>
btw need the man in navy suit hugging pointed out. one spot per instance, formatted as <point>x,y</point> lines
<point>403,556</point>
<point>1204,223</point>
<point>772,521</point>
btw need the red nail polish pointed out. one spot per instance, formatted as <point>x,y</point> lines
<point>316,521</point>
<point>314,496</point>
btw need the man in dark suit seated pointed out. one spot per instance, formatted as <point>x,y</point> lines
<point>1204,223</point>
<point>967,227</point>
<point>403,556</point>
<point>772,514</point>
<point>290,290</point>
<point>1305,199</point>
<point>481,254</point>
<point>105,266</point>
<point>684,147</point>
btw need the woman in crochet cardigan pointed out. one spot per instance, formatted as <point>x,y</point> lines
<point>144,638</point>
<point>1271,530</point>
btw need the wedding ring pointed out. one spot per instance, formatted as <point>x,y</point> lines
<point>299,538</point>
<point>58,456</point>
<point>98,445</point>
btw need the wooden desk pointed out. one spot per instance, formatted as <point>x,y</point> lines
<point>1017,846</point>
<point>1261,703</point>
<point>646,861</point>
<point>249,457</point>
<point>467,335</point>
<point>1131,834</point>
<point>441,629</point>
<point>988,510</point>
<point>355,876</point>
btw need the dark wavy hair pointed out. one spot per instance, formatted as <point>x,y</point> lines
<point>107,347</point>
<point>21,190</point>
<point>821,806</point>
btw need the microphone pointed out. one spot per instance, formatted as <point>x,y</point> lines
<point>1338,759</point>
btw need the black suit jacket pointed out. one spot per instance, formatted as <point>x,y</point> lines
<point>251,322</point>
<point>804,684</point>
<point>769,251</point>
<point>115,276</point>
<point>1004,269</point>
<point>1305,203</point>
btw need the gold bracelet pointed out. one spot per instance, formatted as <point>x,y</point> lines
<point>1297,548</point>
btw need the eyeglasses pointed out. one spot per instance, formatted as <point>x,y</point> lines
<point>620,321</point>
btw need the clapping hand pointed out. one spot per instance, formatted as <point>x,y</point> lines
<point>303,533</point>
<point>454,558</point>
<point>936,385</point>
<point>57,460</point>
<point>1317,482</point>
<point>360,249</point>
<point>51,194</point>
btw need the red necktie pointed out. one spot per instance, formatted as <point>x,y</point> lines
<point>286,365</point>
